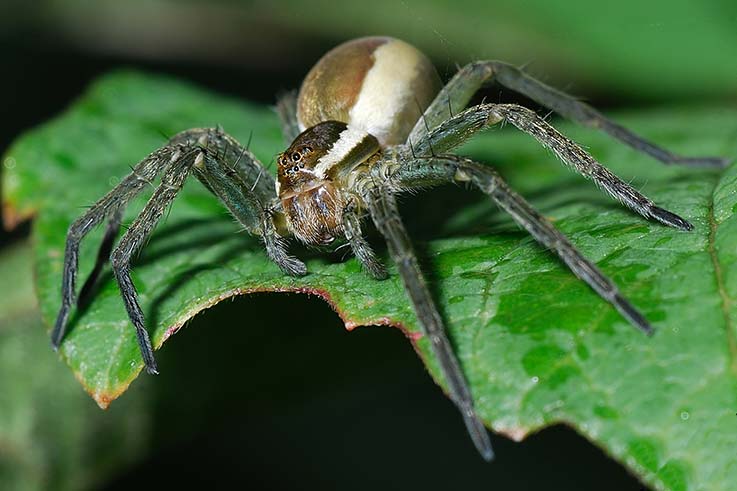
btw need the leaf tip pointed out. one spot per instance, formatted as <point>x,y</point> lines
<point>11,217</point>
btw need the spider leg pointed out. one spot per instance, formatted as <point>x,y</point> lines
<point>460,127</point>
<point>458,92</point>
<point>575,110</point>
<point>361,248</point>
<point>276,249</point>
<point>286,108</point>
<point>247,190</point>
<point>250,209</point>
<point>451,168</point>
<point>225,167</point>
<point>103,255</point>
<point>171,183</point>
<point>386,217</point>
<point>108,205</point>
<point>238,161</point>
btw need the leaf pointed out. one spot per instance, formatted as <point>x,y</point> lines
<point>537,345</point>
<point>50,432</point>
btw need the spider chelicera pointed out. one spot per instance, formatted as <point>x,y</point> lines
<point>371,121</point>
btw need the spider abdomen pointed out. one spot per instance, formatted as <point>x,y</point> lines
<point>379,85</point>
<point>361,96</point>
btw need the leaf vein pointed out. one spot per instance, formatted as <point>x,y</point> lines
<point>726,301</point>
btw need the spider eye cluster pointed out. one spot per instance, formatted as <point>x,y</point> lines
<point>297,163</point>
<point>294,160</point>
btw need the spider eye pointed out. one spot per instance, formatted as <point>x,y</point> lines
<point>307,150</point>
<point>296,156</point>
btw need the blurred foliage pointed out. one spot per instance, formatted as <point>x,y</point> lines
<point>538,346</point>
<point>632,49</point>
<point>50,432</point>
<point>652,50</point>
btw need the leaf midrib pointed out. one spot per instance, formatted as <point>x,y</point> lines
<point>726,301</point>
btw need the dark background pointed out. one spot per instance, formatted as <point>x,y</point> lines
<point>320,407</point>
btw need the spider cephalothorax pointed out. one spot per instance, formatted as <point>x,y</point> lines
<point>371,121</point>
<point>311,181</point>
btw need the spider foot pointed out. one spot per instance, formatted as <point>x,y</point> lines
<point>376,269</point>
<point>56,336</point>
<point>716,162</point>
<point>632,315</point>
<point>667,218</point>
<point>147,353</point>
<point>478,433</point>
<point>152,369</point>
<point>292,266</point>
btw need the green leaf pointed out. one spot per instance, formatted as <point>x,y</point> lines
<point>51,435</point>
<point>538,346</point>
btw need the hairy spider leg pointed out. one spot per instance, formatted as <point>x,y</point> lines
<point>361,248</point>
<point>286,108</point>
<point>457,129</point>
<point>452,168</point>
<point>103,256</point>
<point>386,217</point>
<point>237,159</point>
<point>171,183</point>
<point>246,164</point>
<point>224,167</point>
<point>110,204</point>
<point>252,210</point>
<point>228,170</point>
<point>469,79</point>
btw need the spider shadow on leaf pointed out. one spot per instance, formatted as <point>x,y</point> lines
<point>182,278</point>
<point>453,212</point>
<point>165,242</point>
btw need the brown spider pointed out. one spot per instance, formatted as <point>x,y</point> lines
<point>371,120</point>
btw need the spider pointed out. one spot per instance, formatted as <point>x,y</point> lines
<point>371,120</point>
